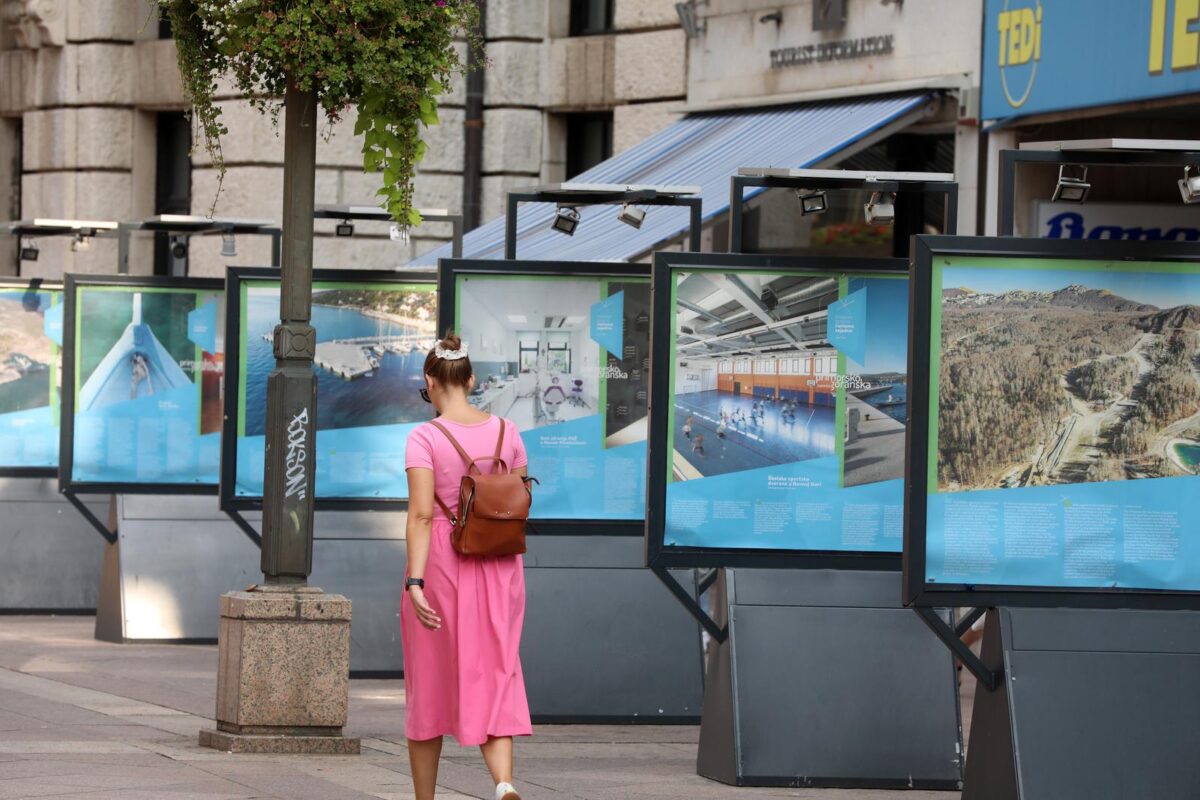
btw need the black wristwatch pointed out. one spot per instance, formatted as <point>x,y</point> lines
<point>414,582</point>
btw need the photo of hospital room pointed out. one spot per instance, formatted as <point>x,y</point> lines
<point>755,374</point>
<point>530,344</point>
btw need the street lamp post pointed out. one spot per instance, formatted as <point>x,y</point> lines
<point>288,489</point>
<point>283,684</point>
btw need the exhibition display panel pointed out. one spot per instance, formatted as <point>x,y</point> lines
<point>143,377</point>
<point>1055,438</point>
<point>563,351</point>
<point>373,332</point>
<point>782,409</point>
<point>31,319</point>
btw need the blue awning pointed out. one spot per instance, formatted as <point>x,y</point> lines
<point>701,150</point>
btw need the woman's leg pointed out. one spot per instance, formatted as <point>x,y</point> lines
<point>423,758</point>
<point>498,755</point>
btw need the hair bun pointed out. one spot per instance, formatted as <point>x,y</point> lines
<point>452,341</point>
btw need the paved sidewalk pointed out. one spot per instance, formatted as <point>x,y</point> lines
<point>85,719</point>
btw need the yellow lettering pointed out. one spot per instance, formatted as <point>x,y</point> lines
<point>1002,23</point>
<point>1185,44</point>
<point>1015,34</point>
<point>1028,33</point>
<point>1158,35</point>
<point>1037,40</point>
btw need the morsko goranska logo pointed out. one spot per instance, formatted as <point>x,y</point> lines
<point>1020,27</point>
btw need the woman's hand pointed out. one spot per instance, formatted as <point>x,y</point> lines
<point>425,614</point>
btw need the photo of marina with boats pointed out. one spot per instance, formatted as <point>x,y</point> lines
<point>1067,376</point>
<point>371,346</point>
<point>27,355</point>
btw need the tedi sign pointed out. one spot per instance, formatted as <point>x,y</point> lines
<point>1135,50</point>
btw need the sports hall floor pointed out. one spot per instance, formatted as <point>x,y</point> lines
<point>750,445</point>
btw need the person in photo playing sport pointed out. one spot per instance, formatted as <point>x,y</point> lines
<point>460,616</point>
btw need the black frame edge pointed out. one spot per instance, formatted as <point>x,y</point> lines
<point>658,554</point>
<point>917,592</point>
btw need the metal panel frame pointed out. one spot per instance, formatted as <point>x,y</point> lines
<point>450,269</point>
<point>372,214</point>
<point>899,182</point>
<point>67,485</point>
<point>235,276</point>
<point>662,317</point>
<point>564,195</point>
<point>1011,159</point>
<point>916,591</point>
<point>179,225</point>
<point>36,285</point>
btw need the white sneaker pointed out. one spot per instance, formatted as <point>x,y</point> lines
<point>506,791</point>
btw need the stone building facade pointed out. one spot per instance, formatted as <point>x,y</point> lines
<point>91,126</point>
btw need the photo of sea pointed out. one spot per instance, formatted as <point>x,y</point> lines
<point>372,355</point>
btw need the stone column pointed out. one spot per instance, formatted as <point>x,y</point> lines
<point>283,681</point>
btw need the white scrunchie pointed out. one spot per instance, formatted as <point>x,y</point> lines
<point>451,355</point>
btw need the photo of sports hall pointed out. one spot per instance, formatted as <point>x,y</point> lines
<point>755,374</point>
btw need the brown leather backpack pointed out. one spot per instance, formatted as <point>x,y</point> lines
<point>492,508</point>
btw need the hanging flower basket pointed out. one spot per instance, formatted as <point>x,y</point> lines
<point>389,58</point>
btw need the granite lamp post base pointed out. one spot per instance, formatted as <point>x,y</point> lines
<point>283,679</point>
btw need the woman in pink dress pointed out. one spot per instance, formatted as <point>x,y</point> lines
<point>461,616</point>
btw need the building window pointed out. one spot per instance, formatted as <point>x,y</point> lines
<point>589,141</point>
<point>172,186</point>
<point>558,357</point>
<point>528,354</point>
<point>590,17</point>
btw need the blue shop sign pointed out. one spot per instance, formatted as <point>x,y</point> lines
<point>1051,55</point>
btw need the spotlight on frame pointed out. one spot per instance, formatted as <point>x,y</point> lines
<point>1071,188</point>
<point>632,216</point>
<point>228,245</point>
<point>881,208</point>
<point>345,228</point>
<point>29,251</point>
<point>1189,185</point>
<point>812,202</point>
<point>81,243</point>
<point>179,248</point>
<point>566,220</point>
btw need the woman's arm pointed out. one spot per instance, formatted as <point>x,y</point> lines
<point>418,534</point>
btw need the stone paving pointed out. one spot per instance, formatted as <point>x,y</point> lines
<point>90,720</point>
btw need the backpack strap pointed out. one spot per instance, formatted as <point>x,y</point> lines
<point>500,441</point>
<point>470,462</point>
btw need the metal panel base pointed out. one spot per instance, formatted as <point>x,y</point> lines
<point>51,556</point>
<point>1093,705</point>
<point>826,681</point>
<point>603,643</point>
<point>175,556</point>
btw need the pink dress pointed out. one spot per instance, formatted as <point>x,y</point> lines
<point>465,679</point>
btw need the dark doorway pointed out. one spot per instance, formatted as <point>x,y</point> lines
<point>172,188</point>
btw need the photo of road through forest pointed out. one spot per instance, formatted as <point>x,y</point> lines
<point>1067,376</point>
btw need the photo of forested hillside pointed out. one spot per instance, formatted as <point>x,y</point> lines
<point>1051,377</point>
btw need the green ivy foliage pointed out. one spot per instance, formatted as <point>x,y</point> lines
<point>390,58</point>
